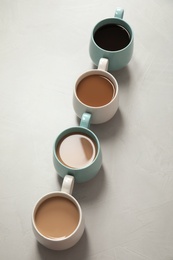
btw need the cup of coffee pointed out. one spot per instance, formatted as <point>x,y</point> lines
<point>57,218</point>
<point>77,152</point>
<point>112,38</point>
<point>96,92</point>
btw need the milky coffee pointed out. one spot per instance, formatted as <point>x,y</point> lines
<point>57,217</point>
<point>95,90</point>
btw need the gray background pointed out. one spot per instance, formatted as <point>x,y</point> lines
<point>128,207</point>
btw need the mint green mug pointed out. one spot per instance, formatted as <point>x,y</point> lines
<point>113,39</point>
<point>77,152</point>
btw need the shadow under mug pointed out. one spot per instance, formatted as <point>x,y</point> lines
<point>118,58</point>
<point>96,85</point>
<point>57,218</point>
<point>77,152</point>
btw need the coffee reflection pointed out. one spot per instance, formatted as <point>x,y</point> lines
<point>76,150</point>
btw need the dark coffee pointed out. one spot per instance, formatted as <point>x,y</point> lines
<point>112,37</point>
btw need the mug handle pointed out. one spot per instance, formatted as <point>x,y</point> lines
<point>103,64</point>
<point>68,184</point>
<point>85,120</point>
<point>119,13</point>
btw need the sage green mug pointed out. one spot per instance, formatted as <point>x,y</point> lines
<point>77,152</point>
<point>105,34</point>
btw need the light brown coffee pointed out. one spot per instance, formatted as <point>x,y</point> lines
<point>57,217</point>
<point>95,90</point>
<point>76,150</point>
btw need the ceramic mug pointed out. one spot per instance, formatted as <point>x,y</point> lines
<point>77,152</point>
<point>112,38</point>
<point>57,218</point>
<point>96,92</point>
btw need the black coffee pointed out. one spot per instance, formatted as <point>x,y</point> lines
<point>112,37</point>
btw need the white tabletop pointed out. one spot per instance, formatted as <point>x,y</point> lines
<point>128,206</point>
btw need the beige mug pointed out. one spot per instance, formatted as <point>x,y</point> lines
<point>57,218</point>
<point>96,92</point>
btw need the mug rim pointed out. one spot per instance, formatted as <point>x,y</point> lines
<point>95,72</point>
<point>51,195</point>
<point>62,134</point>
<point>113,19</point>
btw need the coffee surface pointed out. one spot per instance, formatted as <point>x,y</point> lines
<point>112,37</point>
<point>57,217</point>
<point>76,150</point>
<point>95,90</point>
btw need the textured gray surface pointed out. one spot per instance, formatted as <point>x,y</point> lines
<point>128,207</point>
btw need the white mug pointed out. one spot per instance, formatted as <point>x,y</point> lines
<point>105,94</point>
<point>58,213</point>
